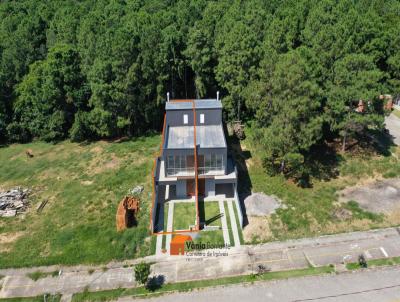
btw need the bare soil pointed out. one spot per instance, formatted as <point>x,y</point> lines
<point>257,229</point>
<point>380,196</point>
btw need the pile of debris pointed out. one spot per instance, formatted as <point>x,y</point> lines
<point>13,202</point>
<point>127,212</point>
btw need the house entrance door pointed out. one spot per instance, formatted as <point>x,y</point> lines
<point>190,187</point>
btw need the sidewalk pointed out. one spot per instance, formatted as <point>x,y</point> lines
<point>277,256</point>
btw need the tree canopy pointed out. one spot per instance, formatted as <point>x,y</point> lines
<point>97,69</point>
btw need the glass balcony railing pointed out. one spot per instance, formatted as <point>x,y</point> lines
<point>189,171</point>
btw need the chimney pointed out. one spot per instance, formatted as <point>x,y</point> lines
<point>167,96</point>
<point>217,95</point>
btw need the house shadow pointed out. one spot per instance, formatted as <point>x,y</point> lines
<point>202,213</point>
<point>239,156</point>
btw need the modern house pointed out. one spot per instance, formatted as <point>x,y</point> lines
<point>194,153</point>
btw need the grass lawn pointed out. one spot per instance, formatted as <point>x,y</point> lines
<point>140,292</point>
<point>310,211</point>
<point>212,237</point>
<point>184,215</point>
<point>375,262</point>
<point>84,184</point>
<point>229,223</point>
<point>396,113</point>
<point>209,213</point>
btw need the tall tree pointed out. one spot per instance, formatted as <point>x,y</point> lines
<point>49,96</point>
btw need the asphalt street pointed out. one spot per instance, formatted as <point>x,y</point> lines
<point>372,285</point>
<point>324,250</point>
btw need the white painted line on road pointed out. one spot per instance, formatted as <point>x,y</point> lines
<point>384,252</point>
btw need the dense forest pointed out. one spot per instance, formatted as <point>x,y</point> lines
<point>101,68</point>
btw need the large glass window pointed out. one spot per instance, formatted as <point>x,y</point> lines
<point>182,164</point>
<point>212,162</point>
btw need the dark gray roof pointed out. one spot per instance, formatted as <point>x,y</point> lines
<point>199,104</point>
<point>209,136</point>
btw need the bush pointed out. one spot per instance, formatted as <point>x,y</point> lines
<point>142,272</point>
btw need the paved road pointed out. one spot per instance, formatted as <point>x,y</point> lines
<point>374,285</point>
<point>393,125</point>
<point>277,256</point>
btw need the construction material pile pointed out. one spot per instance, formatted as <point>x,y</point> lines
<point>13,202</point>
<point>126,213</point>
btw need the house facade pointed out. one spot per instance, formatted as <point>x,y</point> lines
<point>214,168</point>
<point>194,153</point>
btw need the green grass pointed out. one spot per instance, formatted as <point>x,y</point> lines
<point>188,286</point>
<point>359,213</point>
<point>396,113</point>
<point>310,211</point>
<point>84,184</point>
<point>229,223</point>
<point>38,275</point>
<point>238,224</point>
<point>212,237</point>
<point>184,215</point>
<point>212,215</point>
<point>374,263</point>
<point>49,298</point>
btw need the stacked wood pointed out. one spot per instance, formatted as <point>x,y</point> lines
<point>13,202</point>
<point>126,213</point>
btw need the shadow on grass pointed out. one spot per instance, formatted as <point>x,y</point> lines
<point>322,162</point>
<point>239,157</point>
<point>212,219</point>
<point>155,283</point>
<point>381,141</point>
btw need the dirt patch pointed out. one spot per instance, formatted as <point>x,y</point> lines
<point>96,150</point>
<point>382,196</point>
<point>257,229</point>
<point>259,204</point>
<point>6,239</point>
<point>98,166</point>
<point>87,182</point>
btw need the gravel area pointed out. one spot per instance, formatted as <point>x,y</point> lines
<point>381,196</point>
<point>259,204</point>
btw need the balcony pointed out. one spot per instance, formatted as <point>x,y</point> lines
<point>189,171</point>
